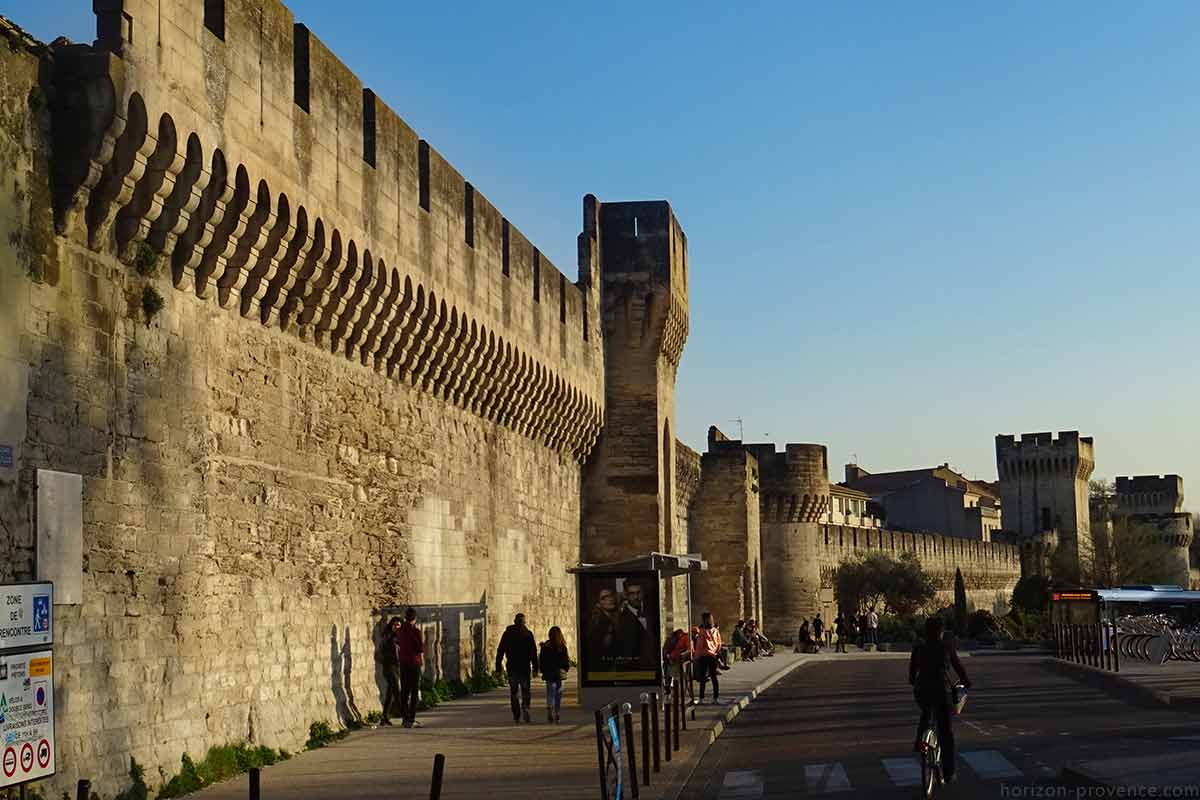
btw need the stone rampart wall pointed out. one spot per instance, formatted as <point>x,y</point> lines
<point>990,569</point>
<point>251,495</point>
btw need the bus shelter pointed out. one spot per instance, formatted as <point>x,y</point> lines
<point>621,619</point>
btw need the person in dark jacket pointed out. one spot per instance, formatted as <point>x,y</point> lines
<point>409,648</point>
<point>390,664</point>
<point>929,674</point>
<point>555,662</point>
<point>518,648</point>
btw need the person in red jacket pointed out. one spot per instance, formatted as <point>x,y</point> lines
<point>409,647</point>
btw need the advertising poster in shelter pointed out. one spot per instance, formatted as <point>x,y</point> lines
<point>619,629</point>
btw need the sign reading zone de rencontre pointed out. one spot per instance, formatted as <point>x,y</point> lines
<point>25,615</point>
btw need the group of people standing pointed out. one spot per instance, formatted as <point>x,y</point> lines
<point>704,648</point>
<point>861,630</point>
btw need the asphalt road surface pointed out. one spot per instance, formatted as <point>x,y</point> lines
<point>845,729</point>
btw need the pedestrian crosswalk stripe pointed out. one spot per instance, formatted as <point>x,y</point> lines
<point>825,778</point>
<point>742,784</point>
<point>903,771</point>
<point>989,764</point>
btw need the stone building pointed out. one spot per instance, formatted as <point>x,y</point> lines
<point>301,372</point>
<point>936,499</point>
<point>804,536</point>
<point>1044,494</point>
<point>1153,506</point>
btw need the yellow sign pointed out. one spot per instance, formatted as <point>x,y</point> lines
<point>39,667</point>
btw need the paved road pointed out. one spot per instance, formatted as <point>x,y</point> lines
<point>845,729</point>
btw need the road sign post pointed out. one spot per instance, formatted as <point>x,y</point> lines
<point>26,683</point>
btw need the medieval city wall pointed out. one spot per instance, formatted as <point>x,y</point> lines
<point>990,569</point>
<point>361,389</point>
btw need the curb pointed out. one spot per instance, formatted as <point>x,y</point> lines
<point>1115,682</point>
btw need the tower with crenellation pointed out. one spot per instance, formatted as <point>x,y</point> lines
<point>1044,494</point>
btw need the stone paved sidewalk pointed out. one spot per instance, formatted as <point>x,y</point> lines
<point>1176,683</point>
<point>489,756</point>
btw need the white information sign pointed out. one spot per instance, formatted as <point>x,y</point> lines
<point>25,615</point>
<point>26,717</point>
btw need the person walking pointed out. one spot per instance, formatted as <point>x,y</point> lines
<point>862,630</point>
<point>929,675</point>
<point>839,627</point>
<point>409,648</point>
<point>708,648</point>
<point>518,653</point>
<point>873,626</point>
<point>818,629</point>
<point>555,662</point>
<point>389,662</point>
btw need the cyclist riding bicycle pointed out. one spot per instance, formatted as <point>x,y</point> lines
<point>929,674</point>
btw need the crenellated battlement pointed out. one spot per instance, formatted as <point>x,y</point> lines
<point>1149,494</point>
<point>1042,453</point>
<point>226,140</point>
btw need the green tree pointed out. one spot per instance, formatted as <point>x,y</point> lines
<point>897,586</point>
<point>1032,594</point>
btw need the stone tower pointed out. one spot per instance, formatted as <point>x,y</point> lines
<point>795,498</point>
<point>1044,492</point>
<point>1154,504</point>
<point>641,254</point>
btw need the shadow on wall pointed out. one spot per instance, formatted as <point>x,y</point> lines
<point>341,671</point>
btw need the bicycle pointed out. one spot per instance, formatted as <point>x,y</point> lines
<point>931,750</point>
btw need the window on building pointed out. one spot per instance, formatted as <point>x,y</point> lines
<point>214,17</point>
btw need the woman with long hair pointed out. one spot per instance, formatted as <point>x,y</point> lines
<point>555,661</point>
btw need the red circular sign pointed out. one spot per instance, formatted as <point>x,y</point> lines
<point>26,757</point>
<point>43,753</point>
<point>10,762</point>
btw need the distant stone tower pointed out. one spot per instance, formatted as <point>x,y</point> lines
<point>1044,497</point>
<point>641,254</point>
<point>1155,504</point>
<point>795,498</point>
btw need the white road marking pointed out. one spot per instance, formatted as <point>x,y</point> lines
<point>975,726</point>
<point>903,771</point>
<point>989,764</point>
<point>742,784</point>
<point>826,778</point>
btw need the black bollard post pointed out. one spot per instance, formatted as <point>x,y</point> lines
<point>83,790</point>
<point>631,750</point>
<point>255,784</point>
<point>645,741</point>
<point>654,731</point>
<point>678,719</point>
<point>1116,654</point>
<point>600,755</point>
<point>668,714</point>
<point>435,786</point>
<point>680,701</point>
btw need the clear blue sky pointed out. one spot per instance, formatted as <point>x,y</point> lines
<point>910,228</point>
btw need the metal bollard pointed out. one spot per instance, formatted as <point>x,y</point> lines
<point>668,713</point>
<point>255,784</point>
<point>679,704</point>
<point>83,790</point>
<point>654,731</point>
<point>645,740</point>
<point>435,786</point>
<point>1116,653</point>
<point>630,749</point>
<point>678,719</point>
